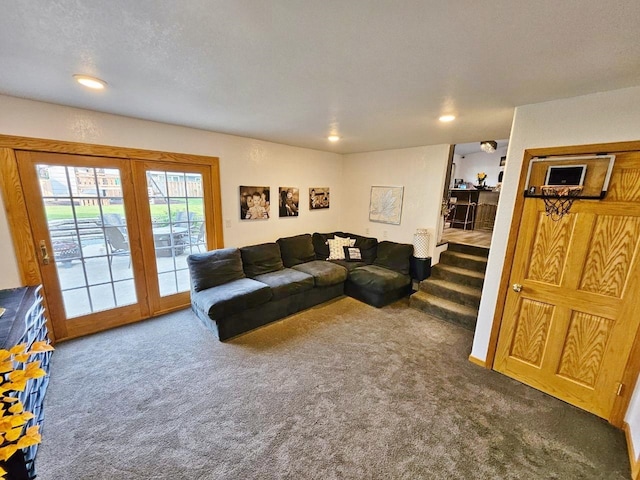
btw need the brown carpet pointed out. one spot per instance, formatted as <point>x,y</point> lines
<point>341,391</point>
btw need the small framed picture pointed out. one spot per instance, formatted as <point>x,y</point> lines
<point>254,203</point>
<point>289,202</point>
<point>503,161</point>
<point>318,198</point>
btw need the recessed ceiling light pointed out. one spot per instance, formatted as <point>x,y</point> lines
<point>333,138</point>
<point>447,118</point>
<point>90,82</point>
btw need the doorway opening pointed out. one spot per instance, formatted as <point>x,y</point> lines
<point>473,193</point>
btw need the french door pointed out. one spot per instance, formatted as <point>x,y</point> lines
<point>112,235</point>
<point>171,205</point>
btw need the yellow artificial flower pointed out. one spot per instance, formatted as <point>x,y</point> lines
<point>18,348</point>
<point>39,347</point>
<point>15,372</point>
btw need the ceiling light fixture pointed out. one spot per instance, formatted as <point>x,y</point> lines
<point>90,82</point>
<point>447,118</point>
<point>333,138</point>
<point>488,146</point>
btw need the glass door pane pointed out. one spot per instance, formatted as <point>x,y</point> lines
<point>176,203</point>
<point>86,222</point>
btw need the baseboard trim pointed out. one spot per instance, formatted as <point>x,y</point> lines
<point>633,459</point>
<point>477,361</point>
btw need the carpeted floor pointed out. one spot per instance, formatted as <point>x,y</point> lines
<point>341,391</point>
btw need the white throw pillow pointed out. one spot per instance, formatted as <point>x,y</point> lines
<point>336,250</point>
<point>352,241</point>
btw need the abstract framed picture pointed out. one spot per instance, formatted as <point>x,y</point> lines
<point>254,203</point>
<point>318,198</point>
<point>385,205</point>
<point>289,202</point>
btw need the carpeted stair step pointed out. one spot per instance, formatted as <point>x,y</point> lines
<point>444,309</point>
<point>454,292</point>
<point>464,260</point>
<point>459,275</point>
<point>470,249</point>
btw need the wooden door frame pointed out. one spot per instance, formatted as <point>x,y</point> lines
<point>633,364</point>
<point>24,243</point>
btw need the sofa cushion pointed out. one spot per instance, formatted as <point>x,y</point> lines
<point>296,250</point>
<point>232,297</point>
<point>378,279</point>
<point>368,246</point>
<point>320,245</point>
<point>286,282</point>
<point>210,269</point>
<point>324,273</point>
<point>395,256</point>
<point>260,259</point>
<point>349,265</point>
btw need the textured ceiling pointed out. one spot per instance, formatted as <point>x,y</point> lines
<point>292,71</point>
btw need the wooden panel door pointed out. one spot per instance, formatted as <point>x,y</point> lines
<point>569,329</point>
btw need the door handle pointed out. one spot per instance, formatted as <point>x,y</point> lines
<point>517,287</point>
<point>44,252</point>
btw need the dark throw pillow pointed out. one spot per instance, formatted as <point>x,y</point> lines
<point>352,254</point>
<point>368,246</point>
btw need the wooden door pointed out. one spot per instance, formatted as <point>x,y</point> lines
<point>570,329</point>
<point>84,222</point>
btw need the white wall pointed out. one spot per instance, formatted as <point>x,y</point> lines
<point>243,161</point>
<point>599,118</point>
<point>470,165</point>
<point>633,419</point>
<point>420,170</point>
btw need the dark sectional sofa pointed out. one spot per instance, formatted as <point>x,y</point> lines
<point>236,290</point>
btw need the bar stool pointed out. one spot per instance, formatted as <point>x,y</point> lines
<point>471,207</point>
<point>451,211</point>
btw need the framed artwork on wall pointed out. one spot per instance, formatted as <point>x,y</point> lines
<point>289,202</point>
<point>318,198</point>
<point>385,205</point>
<point>254,203</point>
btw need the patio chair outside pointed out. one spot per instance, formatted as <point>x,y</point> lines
<point>197,241</point>
<point>117,243</point>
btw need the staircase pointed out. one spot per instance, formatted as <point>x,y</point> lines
<point>453,291</point>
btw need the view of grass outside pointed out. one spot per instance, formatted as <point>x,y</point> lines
<point>159,213</point>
